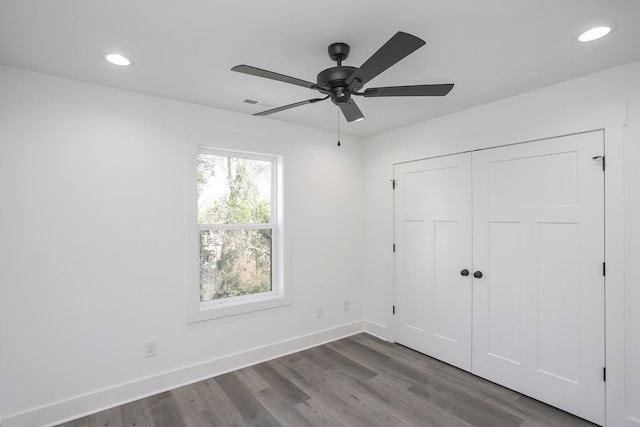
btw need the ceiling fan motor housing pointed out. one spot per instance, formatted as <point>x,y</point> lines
<point>335,78</point>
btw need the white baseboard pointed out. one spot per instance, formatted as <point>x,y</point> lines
<point>108,398</point>
<point>378,330</point>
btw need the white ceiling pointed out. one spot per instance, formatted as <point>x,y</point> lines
<point>184,49</point>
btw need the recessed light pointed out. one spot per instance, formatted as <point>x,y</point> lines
<point>117,59</point>
<point>594,34</point>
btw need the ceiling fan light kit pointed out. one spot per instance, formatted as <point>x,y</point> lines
<point>341,82</point>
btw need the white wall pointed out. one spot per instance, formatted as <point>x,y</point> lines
<point>518,117</point>
<point>92,245</point>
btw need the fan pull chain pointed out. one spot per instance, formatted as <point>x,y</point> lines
<point>338,126</point>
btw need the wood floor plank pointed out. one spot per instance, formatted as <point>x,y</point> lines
<point>312,379</point>
<point>352,392</point>
<point>326,357</point>
<point>111,417</point>
<point>249,407</point>
<point>280,385</point>
<point>317,416</point>
<point>358,381</point>
<point>416,409</point>
<point>365,355</point>
<point>254,381</point>
<point>383,412</point>
<point>318,357</point>
<point>221,410</point>
<point>188,400</point>
<point>283,408</point>
<point>211,418</point>
<point>136,414</point>
<point>164,411</point>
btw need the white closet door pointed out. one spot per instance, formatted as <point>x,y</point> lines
<point>538,238</point>
<point>433,245</point>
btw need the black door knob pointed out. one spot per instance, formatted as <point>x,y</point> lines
<point>477,274</point>
<point>464,272</point>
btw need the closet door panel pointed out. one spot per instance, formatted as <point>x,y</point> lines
<point>433,245</point>
<point>538,237</point>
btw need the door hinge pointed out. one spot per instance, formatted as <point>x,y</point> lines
<point>604,268</point>
<point>604,374</point>
<point>393,184</point>
<point>394,310</point>
<point>394,247</point>
<point>599,157</point>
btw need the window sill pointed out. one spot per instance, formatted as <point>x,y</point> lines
<point>234,306</point>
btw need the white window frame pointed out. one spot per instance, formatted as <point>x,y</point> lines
<point>198,311</point>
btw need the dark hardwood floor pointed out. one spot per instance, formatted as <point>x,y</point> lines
<point>355,381</point>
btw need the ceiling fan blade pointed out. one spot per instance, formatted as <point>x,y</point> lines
<point>247,69</point>
<point>286,107</point>
<point>418,90</point>
<point>396,48</point>
<point>351,111</point>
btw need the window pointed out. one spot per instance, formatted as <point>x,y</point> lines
<point>238,232</point>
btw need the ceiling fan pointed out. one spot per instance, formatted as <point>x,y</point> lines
<point>341,81</point>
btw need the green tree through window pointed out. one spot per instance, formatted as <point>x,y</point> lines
<point>234,218</point>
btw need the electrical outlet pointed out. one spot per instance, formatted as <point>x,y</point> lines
<point>319,312</point>
<point>150,348</point>
<point>346,305</point>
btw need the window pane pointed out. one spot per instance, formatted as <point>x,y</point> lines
<point>233,190</point>
<point>234,263</point>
